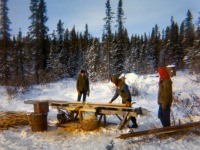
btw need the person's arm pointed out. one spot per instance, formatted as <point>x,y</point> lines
<point>114,97</point>
<point>159,101</point>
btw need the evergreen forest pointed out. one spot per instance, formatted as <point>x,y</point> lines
<point>42,57</point>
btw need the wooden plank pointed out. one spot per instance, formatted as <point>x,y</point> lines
<point>100,119</point>
<point>161,130</point>
<point>122,123</point>
<point>100,111</point>
<point>74,102</point>
<point>105,104</point>
<point>127,121</point>
<point>104,117</point>
<point>114,107</point>
<point>33,101</point>
<point>119,117</point>
<point>59,102</point>
<point>86,109</point>
<point>114,112</point>
<point>53,104</point>
<point>80,113</point>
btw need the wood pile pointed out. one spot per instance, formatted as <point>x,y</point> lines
<point>13,119</point>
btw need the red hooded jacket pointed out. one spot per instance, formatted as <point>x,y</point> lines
<point>165,88</point>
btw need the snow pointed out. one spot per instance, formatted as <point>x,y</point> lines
<point>185,89</point>
<point>171,66</point>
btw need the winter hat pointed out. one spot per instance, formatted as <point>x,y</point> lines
<point>163,73</point>
<point>82,71</point>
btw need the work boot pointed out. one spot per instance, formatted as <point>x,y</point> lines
<point>135,125</point>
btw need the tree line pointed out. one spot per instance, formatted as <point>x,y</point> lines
<point>41,57</point>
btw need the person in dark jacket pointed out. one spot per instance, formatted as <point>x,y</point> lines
<point>123,90</point>
<point>164,97</point>
<point>82,86</point>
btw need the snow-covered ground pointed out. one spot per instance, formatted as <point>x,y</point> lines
<point>185,109</point>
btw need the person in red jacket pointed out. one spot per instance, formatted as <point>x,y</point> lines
<point>164,97</point>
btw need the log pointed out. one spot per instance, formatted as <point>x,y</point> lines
<point>161,130</point>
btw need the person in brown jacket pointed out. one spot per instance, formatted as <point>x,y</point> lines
<point>123,90</point>
<point>82,86</point>
<point>164,97</point>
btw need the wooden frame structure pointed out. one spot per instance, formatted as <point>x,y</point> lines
<point>99,109</point>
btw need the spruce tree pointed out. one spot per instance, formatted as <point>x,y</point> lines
<point>20,47</point>
<point>5,41</point>
<point>60,35</point>
<point>85,48</point>
<point>180,54</point>
<point>38,32</point>
<point>43,31</point>
<point>33,28</point>
<point>92,59</point>
<point>53,55</point>
<point>189,30</point>
<point>107,39</point>
<point>73,65</point>
<point>119,48</point>
<point>154,49</point>
<point>198,31</point>
<point>174,45</point>
<point>28,58</point>
<point>134,54</point>
<point>64,54</point>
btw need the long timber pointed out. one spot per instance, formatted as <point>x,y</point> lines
<point>161,130</point>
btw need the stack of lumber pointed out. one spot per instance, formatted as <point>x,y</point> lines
<point>13,119</point>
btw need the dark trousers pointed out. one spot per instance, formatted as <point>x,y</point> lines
<point>80,95</point>
<point>164,116</point>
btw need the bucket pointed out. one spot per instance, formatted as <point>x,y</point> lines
<point>41,107</point>
<point>39,122</point>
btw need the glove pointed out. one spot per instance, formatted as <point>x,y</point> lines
<point>128,103</point>
<point>88,93</point>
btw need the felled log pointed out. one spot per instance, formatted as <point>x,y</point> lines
<point>161,130</point>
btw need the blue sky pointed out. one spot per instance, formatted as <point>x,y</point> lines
<point>141,15</point>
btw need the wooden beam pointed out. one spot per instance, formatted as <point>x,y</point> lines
<point>122,123</point>
<point>54,102</point>
<point>119,117</point>
<point>161,130</point>
<point>100,119</point>
<point>104,117</point>
<point>34,101</point>
<point>114,112</point>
